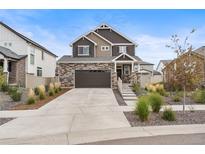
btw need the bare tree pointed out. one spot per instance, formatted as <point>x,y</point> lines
<point>185,70</point>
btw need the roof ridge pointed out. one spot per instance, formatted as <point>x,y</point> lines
<point>26,38</point>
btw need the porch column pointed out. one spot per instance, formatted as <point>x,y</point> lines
<point>6,70</point>
<point>115,69</point>
<point>132,66</point>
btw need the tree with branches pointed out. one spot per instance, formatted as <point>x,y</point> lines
<point>184,69</point>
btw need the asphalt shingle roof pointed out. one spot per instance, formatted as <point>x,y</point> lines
<point>9,53</point>
<point>27,39</point>
<point>69,59</point>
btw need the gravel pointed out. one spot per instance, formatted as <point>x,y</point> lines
<point>5,120</point>
<point>196,117</point>
<point>189,101</point>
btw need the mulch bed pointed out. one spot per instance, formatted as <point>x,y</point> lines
<point>5,120</point>
<point>189,101</point>
<point>119,98</point>
<point>196,117</point>
<point>39,103</point>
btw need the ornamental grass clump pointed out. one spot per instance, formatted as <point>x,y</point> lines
<point>42,92</point>
<point>136,88</point>
<point>31,97</point>
<point>199,96</point>
<point>169,115</point>
<point>142,108</point>
<point>51,90</point>
<point>16,95</point>
<point>57,87</point>
<point>156,101</point>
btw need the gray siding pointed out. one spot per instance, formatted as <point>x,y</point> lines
<point>112,36</point>
<point>130,50</point>
<point>83,41</point>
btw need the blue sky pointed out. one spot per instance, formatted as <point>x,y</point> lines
<point>151,29</point>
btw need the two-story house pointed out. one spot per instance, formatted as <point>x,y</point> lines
<point>25,62</point>
<point>101,57</point>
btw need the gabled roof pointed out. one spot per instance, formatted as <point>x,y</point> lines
<point>200,51</point>
<point>124,54</point>
<point>106,26</point>
<point>83,36</point>
<point>10,54</point>
<point>165,61</point>
<point>27,39</point>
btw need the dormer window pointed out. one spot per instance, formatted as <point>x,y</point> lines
<point>122,49</point>
<point>83,50</point>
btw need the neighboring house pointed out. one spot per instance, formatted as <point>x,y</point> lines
<point>161,65</point>
<point>100,58</point>
<point>25,62</point>
<point>197,57</point>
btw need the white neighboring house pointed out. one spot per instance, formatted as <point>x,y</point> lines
<point>160,67</point>
<point>25,62</point>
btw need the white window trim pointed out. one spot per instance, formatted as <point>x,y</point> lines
<point>83,46</point>
<point>124,51</point>
<point>108,48</point>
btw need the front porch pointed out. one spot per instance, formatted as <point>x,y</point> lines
<point>9,68</point>
<point>126,68</point>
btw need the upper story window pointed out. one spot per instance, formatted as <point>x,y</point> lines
<point>32,59</point>
<point>122,49</point>
<point>83,50</point>
<point>39,71</point>
<point>32,56</point>
<point>105,48</point>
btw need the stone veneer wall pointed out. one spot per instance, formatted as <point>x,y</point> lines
<point>66,72</point>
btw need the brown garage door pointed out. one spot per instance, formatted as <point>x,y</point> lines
<point>92,79</point>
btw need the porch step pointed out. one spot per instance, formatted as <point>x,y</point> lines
<point>128,95</point>
<point>130,98</point>
<point>131,103</point>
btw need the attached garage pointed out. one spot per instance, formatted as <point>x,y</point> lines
<point>92,79</point>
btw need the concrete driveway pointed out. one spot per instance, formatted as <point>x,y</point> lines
<point>78,110</point>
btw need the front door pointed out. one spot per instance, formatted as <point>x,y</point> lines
<point>119,73</point>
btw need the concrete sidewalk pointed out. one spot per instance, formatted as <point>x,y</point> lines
<point>82,137</point>
<point>70,119</point>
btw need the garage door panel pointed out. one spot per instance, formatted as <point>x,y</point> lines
<point>92,79</point>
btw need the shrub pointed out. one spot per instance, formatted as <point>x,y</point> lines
<point>136,87</point>
<point>2,77</point>
<point>12,90</point>
<point>42,92</point>
<point>199,96</point>
<point>142,108</point>
<point>42,95</point>
<point>57,87</point>
<point>31,100</point>
<point>156,102</point>
<point>31,97</point>
<point>16,95</point>
<point>51,92</point>
<point>36,91</point>
<point>169,115</point>
<point>176,98</point>
<point>4,87</point>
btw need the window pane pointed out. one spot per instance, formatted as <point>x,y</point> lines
<point>39,71</point>
<point>32,59</point>
<point>83,50</point>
